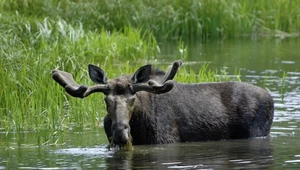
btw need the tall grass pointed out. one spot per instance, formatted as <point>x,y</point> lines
<point>190,19</point>
<point>30,100</point>
<point>119,35</point>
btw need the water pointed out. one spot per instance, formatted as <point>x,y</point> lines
<point>262,63</point>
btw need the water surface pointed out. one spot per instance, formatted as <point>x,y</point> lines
<point>263,63</point>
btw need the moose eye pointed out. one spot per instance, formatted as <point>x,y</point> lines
<point>108,100</point>
<point>130,101</point>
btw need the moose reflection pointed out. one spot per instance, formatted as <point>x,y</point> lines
<point>149,107</point>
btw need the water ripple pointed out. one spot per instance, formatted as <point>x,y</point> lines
<point>101,151</point>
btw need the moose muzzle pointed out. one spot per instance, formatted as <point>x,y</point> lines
<point>121,133</point>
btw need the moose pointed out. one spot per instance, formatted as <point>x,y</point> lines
<point>149,107</point>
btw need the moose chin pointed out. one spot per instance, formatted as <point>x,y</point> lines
<point>149,107</point>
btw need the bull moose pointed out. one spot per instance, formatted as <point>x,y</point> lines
<point>149,107</point>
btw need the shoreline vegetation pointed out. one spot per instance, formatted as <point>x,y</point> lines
<point>39,36</point>
<point>170,19</point>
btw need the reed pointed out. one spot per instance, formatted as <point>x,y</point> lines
<point>39,36</point>
<point>31,100</point>
<point>283,86</point>
<point>191,19</point>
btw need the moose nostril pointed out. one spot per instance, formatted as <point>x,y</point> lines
<point>120,126</point>
<point>121,134</point>
<point>121,140</point>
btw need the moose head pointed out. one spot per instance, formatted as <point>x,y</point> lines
<point>120,93</point>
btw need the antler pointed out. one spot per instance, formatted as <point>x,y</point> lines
<point>66,80</point>
<point>163,85</point>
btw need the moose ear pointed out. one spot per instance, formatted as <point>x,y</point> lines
<point>97,74</point>
<point>142,75</point>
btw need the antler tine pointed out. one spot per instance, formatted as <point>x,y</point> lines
<point>171,71</point>
<point>66,80</point>
<point>104,88</point>
<point>163,85</point>
<point>154,87</point>
<point>63,78</point>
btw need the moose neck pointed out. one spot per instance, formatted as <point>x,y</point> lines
<point>148,122</point>
<point>141,122</point>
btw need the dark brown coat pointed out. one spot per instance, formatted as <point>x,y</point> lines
<point>150,108</point>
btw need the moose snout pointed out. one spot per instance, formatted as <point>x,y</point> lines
<point>120,133</point>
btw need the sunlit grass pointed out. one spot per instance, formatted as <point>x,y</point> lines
<point>190,19</point>
<point>31,100</point>
<point>282,85</point>
<point>119,36</point>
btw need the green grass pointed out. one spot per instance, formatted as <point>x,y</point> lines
<point>119,36</point>
<point>282,85</point>
<point>190,19</point>
<point>32,101</point>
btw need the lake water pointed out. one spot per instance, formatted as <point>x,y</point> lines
<point>264,63</point>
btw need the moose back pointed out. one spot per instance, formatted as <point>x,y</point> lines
<point>149,107</point>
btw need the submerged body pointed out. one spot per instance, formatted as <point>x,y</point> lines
<point>150,108</point>
<point>200,112</point>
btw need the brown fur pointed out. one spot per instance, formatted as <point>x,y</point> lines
<point>200,112</point>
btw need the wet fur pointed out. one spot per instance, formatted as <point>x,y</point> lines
<point>200,112</point>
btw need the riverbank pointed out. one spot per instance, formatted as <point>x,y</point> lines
<point>171,19</point>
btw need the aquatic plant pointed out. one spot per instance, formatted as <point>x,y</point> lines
<point>282,85</point>
<point>30,50</point>
<point>39,36</point>
<point>191,19</point>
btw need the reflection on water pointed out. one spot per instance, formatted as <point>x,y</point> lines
<point>205,155</point>
<point>254,153</point>
<point>275,151</point>
<point>260,63</point>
